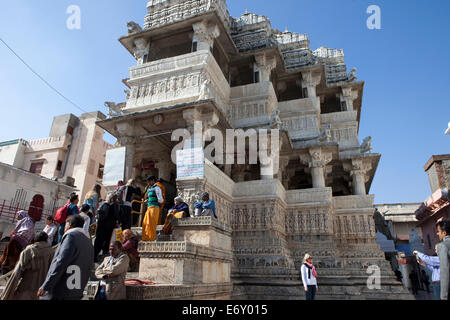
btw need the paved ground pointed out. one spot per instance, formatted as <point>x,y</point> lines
<point>423,295</point>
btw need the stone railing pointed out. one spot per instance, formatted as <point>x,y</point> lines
<point>48,143</point>
<point>175,80</point>
<point>337,117</point>
<point>305,106</point>
<point>164,12</point>
<point>252,104</point>
<point>301,117</point>
<point>315,196</point>
<point>353,202</point>
<point>260,189</point>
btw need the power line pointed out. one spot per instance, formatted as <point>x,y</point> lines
<point>40,77</point>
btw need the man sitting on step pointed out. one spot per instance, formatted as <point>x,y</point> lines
<point>205,207</point>
<point>180,210</point>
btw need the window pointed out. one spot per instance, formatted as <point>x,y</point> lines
<point>59,165</point>
<point>343,106</point>
<point>70,130</point>
<point>305,92</point>
<point>256,76</point>
<point>36,167</point>
<point>100,171</point>
<point>194,46</point>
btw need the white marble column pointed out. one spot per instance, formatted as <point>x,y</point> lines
<point>130,149</point>
<point>358,169</point>
<point>310,81</point>
<point>316,160</point>
<point>205,35</point>
<point>265,66</point>
<point>348,95</point>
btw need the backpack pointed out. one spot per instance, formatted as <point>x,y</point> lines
<point>61,214</point>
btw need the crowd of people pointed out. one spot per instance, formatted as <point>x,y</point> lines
<point>40,272</point>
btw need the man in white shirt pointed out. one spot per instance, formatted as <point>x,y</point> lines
<point>50,229</point>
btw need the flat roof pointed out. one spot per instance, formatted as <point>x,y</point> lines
<point>435,158</point>
<point>8,143</point>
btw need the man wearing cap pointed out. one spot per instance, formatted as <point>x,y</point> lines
<point>155,199</point>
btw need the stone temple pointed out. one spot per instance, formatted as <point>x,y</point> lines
<point>197,63</point>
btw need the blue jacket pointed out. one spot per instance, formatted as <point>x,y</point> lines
<point>210,204</point>
<point>75,253</point>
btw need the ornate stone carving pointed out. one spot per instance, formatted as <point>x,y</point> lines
<point>325,134</point>
<point>366,145</point>
<point>205,90</point>
<point>352,75</point>
<point>114,109</point>
<point>316,158</point>
<point>133,28</point>
<point>275,121</point>
<point>141,48</point>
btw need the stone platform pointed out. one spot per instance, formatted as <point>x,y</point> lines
<point>196,265</point>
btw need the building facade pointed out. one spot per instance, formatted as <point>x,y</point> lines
<point>73,153</point>
<point>437,206</point>
<point>197,64</point>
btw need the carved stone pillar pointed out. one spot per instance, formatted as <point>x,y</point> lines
<point>205,35</point>
<point>130,148</point>
<point>316,160</point>
<point>141,50</point>
<point>358,169</point>
<point>265,66</point>
<point>309,81</point>
<point>282,173</point>
<point>348,95</point>
<point>195,128</point>
<point>127,139</point>
<point>269,154</point>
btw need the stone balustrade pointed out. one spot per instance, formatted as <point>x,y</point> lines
<point>49,143</point>
<point>181,79</point>
<point>259,189</point>
<point>314,196</point>
<point>252,104</point>
<point>337,117</point>
<point>357,202</point>
<point>164,12</point>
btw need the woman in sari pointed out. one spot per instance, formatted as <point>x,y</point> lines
<point>21,236</point>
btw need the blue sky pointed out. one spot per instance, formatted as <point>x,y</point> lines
<point>405,66</point>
